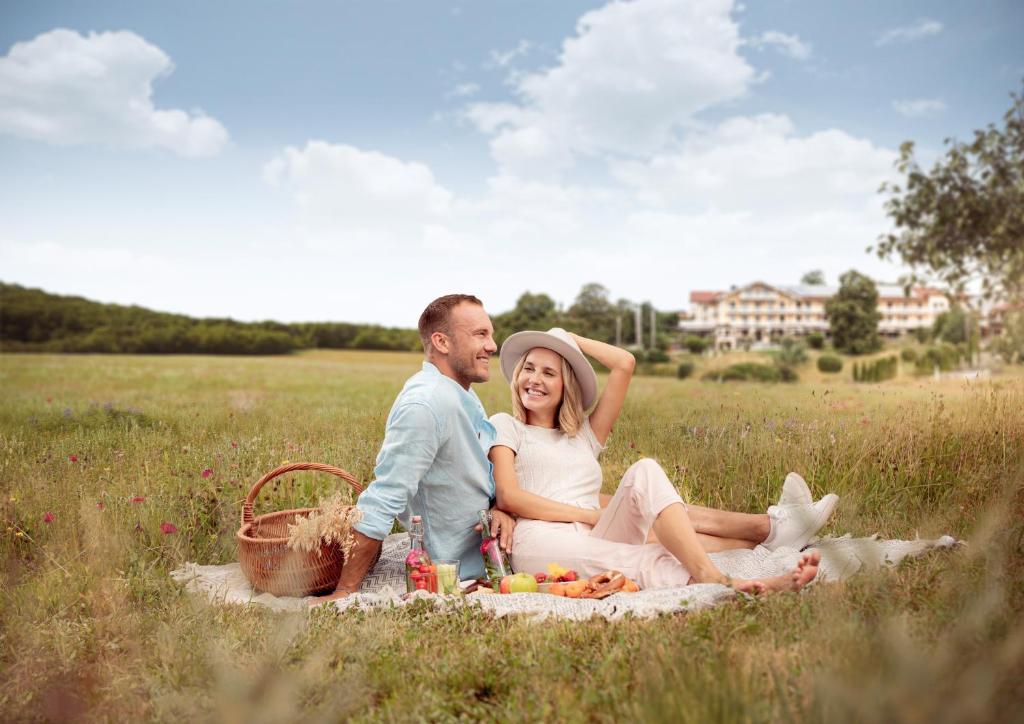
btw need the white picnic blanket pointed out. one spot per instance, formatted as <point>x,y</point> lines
<point>384,587</point>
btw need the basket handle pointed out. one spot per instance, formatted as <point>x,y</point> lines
<point>289,468</point>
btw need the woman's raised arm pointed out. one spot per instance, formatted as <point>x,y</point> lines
<point>513,499</point>
<point>620,363</point>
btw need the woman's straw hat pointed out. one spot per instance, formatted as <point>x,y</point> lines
<point>557,340</point>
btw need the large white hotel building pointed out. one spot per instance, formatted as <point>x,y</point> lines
<point>759,313</point>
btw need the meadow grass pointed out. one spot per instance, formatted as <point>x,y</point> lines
<point>93,628</point>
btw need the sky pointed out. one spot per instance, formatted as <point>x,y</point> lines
<point>351,161</point>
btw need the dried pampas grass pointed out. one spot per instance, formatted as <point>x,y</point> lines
<point>330,523</point>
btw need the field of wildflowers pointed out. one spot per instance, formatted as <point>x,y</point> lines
<point>114,470</point>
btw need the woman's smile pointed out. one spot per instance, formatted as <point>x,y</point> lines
<point>540,385</point>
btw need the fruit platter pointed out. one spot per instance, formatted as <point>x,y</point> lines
<point>561,581</point>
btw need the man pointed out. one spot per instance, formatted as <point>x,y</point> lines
<point>433,461</point>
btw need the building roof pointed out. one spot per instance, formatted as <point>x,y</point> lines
<point>703,296</point>
<point>886,292</point>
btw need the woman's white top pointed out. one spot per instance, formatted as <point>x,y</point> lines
<point>550,463</point>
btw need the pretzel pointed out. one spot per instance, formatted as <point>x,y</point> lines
<point>604,584</point>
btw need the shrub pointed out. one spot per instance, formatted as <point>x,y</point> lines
<point>945,357</point>
<point>876,371</point>
<point>655,356</point>
<point>684,370</point>
<point>791,353</point>
<point>908,354</point>
<point>695,344</point>
<point>1010,345</point>
<point>816,340</point>
<point>654,370</point>
<point>830,363</point>
<point>747,371</point>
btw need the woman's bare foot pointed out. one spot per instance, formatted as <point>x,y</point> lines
<point>805,571</point>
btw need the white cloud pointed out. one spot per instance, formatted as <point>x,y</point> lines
<point>489,117</point>
<point>624,83</point>
<point>348,195</point>
<point>504,58</point>
<point>909,33</point>
<point>56,257</point>
<point>747,198</point>
<point>463,90</point>
<point>919,107</point>
<point>790,45</point>
<point>758,164</point>
<point>65,88</point>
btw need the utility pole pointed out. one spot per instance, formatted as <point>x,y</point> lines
<point>639,327</point>
<point>654,328</point>
<point>618,330</point>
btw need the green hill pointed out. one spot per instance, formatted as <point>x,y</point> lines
<point>32,320</point>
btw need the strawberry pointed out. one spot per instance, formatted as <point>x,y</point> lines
<point>568,576</point>
<point>541,577</point>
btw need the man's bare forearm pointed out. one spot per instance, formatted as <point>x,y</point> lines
<point>363,555</point>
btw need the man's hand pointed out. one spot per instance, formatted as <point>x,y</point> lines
<point>502,525</point>
<point>365,552</point>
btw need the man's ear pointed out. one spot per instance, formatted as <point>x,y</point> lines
<point>440,343</point>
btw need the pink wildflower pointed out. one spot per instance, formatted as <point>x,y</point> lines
<point>100,506</point>
<point>139,499</point>
<point>168,528</point>
<point>207,473</point>
<point>49,517</point>
<point>234,444</point>
<point>73,458</point>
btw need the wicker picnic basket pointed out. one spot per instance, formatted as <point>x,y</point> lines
<point>263,552</point>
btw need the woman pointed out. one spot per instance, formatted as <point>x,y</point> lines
<point>546,472</point>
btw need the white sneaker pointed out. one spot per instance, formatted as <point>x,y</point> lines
<point>795,491</point>
<point>793,526</point>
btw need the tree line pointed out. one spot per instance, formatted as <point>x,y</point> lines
<point>592,314</point>
<point>33,320</point>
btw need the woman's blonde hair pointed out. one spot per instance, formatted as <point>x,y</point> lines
<point>570,410</point>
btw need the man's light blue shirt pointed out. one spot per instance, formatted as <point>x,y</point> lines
<point>433,463</point>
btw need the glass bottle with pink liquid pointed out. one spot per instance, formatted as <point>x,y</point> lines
<point>420,572</point>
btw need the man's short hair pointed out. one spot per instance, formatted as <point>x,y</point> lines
<point>437,316</point>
